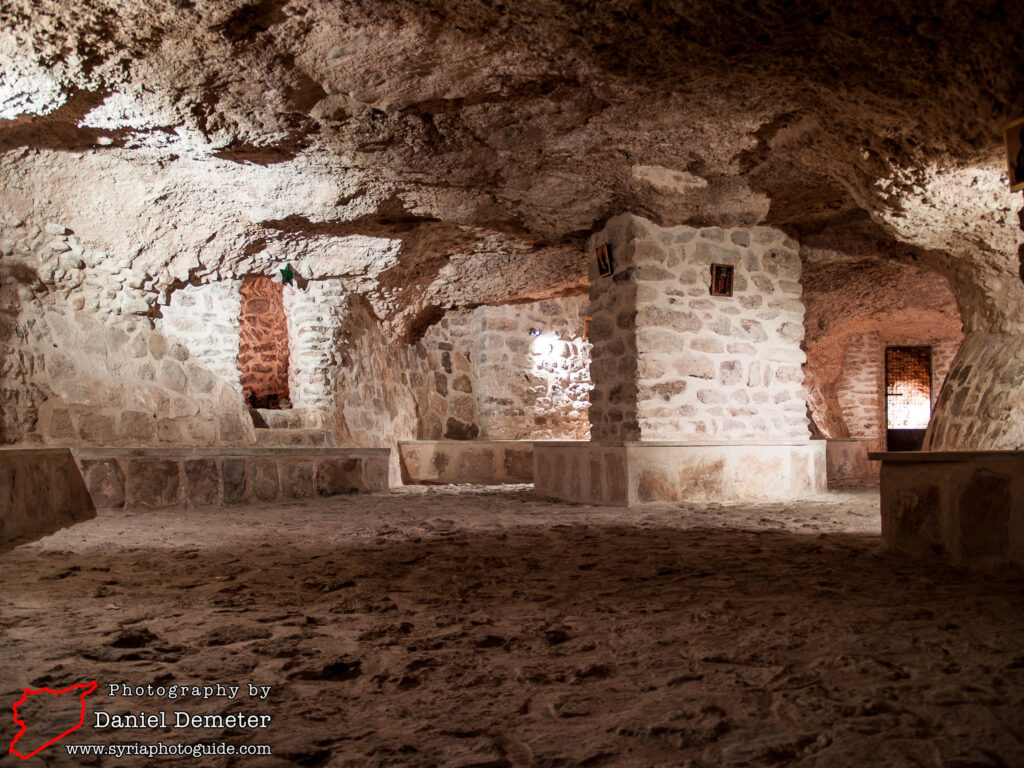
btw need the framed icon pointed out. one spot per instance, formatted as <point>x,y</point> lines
<point>721,279</point>
<point>605,266</point>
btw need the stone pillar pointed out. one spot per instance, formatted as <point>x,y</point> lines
<point>981,406</point>
<point>695,396</point>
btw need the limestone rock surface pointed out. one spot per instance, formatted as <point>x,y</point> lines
<point>448,153</point>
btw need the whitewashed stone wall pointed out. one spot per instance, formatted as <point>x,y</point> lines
<point>672,362</point>
<point>482,374</point>
<point>533,387</point>
<point>316,314</point>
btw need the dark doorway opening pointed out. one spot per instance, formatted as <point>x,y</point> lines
<point>908,397</point>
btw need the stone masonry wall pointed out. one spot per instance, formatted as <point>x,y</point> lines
<point>443,379</point>
<point>981,405</point>
<point>483,374</point>
<point>91,354</point>
<point>316,314</point>
<point>861,386</point>
<point>376,407</point>
<point>533,387</point>
<point>708,367</point>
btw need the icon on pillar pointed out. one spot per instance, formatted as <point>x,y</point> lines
<point>721,279</point>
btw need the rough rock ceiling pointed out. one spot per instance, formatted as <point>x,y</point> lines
<point>441,153</point>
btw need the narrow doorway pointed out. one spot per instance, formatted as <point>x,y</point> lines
<point>908,396</point>
<point>263,344</point>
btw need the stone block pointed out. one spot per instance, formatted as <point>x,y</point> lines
<point>338,476</point>
<point>199,379</point>
<point>457,430</point>
<point>231,428</point>
<point>477,466</point>
<point>105,482</point>
<point>202,482</point>
<point>233,473</point>
<point>375,474</point>
<point>153,483</point>
<point>297,479</point>
<point>983,509</point>
<point>96,428</point>
<point>653,484</point>
<point>60,426</point>
<point>138,426</point>
<point>702,480</point>
<point>518,464</point>
<point>262,480</point>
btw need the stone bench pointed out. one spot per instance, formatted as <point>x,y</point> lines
<point>847,460</point>
<point>168,477</point>
<point>966,507</point>
<point>41,491</point>
<point>487,462</point>
<point>630,473</point>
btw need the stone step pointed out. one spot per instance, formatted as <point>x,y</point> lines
<point>286,437</point>
<point>283,418</point>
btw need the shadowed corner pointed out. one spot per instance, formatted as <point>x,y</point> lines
<point>41,491</point>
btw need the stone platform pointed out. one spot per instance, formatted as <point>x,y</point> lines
<point>168,477</point>
<point>847,460</point>
<point>966,507</point>
<point>488,462</point>
<point>41,491</point>
<point>625,474</point>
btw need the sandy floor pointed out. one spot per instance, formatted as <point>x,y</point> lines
<point>485,628</point>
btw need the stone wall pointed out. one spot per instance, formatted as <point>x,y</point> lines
<point>98,358</point>
<point>316,313</point>
<point>443,379</point>
<point>861,386</point>
<point>375,403</point>
<point>981,406</point>
<point>706,367</point>
<point>263,343</point>
<point>483,374</point>
<point>533,370</point>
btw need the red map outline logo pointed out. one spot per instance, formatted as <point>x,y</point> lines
<point>87,688</point>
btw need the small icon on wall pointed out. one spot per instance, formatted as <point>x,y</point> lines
<point>721,279</point>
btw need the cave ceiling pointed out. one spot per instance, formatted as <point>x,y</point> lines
<point>444,153</point>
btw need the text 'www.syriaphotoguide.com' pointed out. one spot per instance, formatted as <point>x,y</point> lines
<point>167,750</point>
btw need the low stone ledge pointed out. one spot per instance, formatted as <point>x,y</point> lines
<point>41,491</point>
<point>847,460</point>
<point>167,477</point>
<point>965,507</point>
<point>627,474</point>
<point>487,462</point>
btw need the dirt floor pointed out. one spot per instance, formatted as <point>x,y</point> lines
<point>482,627</point>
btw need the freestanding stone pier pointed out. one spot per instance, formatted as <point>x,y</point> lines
<point>697,393</point>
